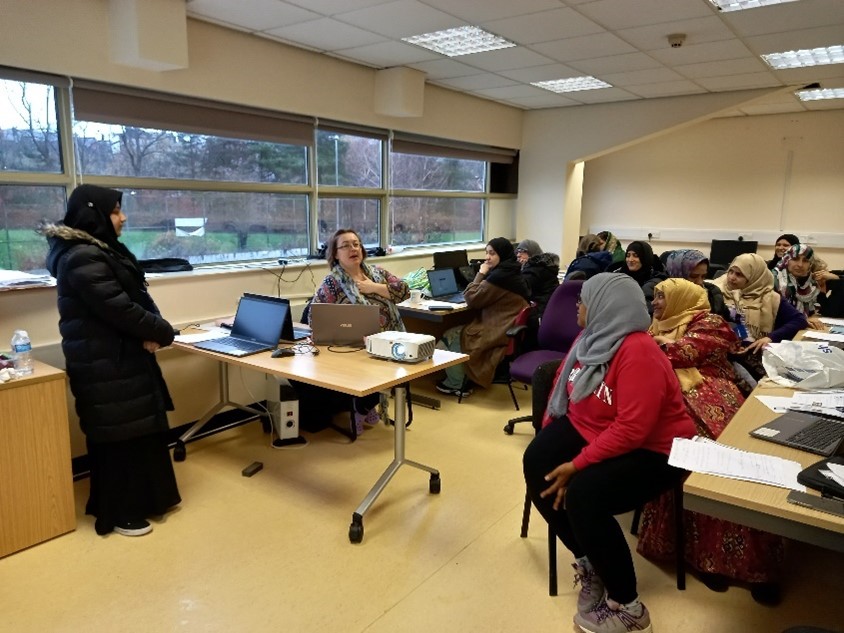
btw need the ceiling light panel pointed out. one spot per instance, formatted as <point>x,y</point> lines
<point>806,57</point>
<point>741,5</point>
<point>821,93</point>
<point>572,84</point>
<point>463,40</point>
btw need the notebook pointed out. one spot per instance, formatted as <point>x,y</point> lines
<point>344,323</point>
<point>806,431</point>
<point>257,327</point>
<point>444,287</point>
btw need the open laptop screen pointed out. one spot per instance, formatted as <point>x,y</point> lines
<point>260,318</point>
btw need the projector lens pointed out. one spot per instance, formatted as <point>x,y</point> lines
<point>399,351</point>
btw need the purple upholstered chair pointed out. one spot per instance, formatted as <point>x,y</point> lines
<point>557,331</point>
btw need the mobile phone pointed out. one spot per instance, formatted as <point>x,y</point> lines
<point>824,504</point>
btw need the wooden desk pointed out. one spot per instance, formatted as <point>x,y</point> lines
<point>36,480</point>
<point>434,322</point>
<point>356,374</point>
<point>757,505</point>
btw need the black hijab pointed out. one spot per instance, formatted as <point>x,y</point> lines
<point>792,239</point>
<point>646,256</point>
<point>89,209</point>
<point>508,273</point>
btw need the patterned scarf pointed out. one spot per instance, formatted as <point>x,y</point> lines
<point>683,302</point>
<point>615,308</point>
<point>349,287</point>
<point>802,294</point>
<point>682,262</point>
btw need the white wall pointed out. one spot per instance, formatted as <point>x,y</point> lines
<point>756,176</point>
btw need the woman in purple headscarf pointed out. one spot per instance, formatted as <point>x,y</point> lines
<point>692,265</point>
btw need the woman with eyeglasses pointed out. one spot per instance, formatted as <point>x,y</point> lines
<point>352,280</point>
<point>612,416</point>
<point>698,344</point>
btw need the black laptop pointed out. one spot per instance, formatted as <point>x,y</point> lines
<point>289,333</point>
<point>443,282</point>
<point>257,327</point>
<point>811,432</point>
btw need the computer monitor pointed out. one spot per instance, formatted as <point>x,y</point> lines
<point>723,252</point>
<point>451,259</point>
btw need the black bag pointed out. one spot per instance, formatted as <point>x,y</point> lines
<point>165,265</point>
<point>812,478</point>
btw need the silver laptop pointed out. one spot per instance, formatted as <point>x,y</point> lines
<point>444,286</point>
<point>811,432</point>
<point>343,323</point>
<point>257,327</point>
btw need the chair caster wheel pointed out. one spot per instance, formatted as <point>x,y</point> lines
<point>179,451</point>
<point>356,529</point>
<point>509,428</point>
<point>434,485</point>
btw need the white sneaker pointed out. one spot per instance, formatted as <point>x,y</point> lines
<point>133,528</point>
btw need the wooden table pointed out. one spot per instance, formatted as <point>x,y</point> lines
<point>357,374</point>
<point>756,505</point>
<point>36,479</point>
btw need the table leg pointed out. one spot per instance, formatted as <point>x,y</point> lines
<point>180,450</point>
<point>356,527</point>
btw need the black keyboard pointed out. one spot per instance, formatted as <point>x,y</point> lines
<point>819,435</point>
<point>239,343</point>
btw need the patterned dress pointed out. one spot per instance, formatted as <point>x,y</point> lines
<point>712,545</point>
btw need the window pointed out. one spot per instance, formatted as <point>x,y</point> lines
<point>361,214</point>
<point>436,173</point>
<point>347,160</point>
<point>436,220</point>
<point>29,139</point>
<point>21,208</point>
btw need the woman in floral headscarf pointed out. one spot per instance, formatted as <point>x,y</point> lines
<point>697,343</point>
<point>800,278</point>
<point>758,315</point>
<point>610,243</point>
<point>687,263</point>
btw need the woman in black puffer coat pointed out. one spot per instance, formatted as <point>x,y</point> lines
<point>110,329</point>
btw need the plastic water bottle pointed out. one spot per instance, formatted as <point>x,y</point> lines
<point>22,349</point>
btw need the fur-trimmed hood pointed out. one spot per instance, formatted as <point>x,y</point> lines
<point>62,232</point>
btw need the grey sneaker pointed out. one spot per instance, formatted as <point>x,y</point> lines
<point>591,588</point>
<point>610,617</point>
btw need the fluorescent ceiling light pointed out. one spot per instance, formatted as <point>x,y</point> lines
<point>572,84</point>
<point>463,40</point>
<point>821,93</point>
<point>806,57</point>
<point>740,5</point>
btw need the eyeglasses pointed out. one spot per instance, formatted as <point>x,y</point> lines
<point>578,301</point>
<point>349,245</point>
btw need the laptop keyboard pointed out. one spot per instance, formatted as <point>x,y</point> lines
<point>237,343</point>
<point>819,435</point>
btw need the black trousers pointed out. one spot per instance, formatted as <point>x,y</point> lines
<point>586,524</point>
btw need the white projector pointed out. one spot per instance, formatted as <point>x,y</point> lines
<point>401,346</point>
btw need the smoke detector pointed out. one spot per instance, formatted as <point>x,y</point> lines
<point>676,39</point>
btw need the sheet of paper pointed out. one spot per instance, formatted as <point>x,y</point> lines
<point>831,321</point>
<point>777,404</point>
<point>823,336</point>
<point>702,455</point>
<point>837,471</point>
<point>207,335</point>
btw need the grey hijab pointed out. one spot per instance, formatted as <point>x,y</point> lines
<point>616,308</point>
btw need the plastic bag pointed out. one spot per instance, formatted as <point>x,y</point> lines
<point>804,364</point>
<point>417,279</point>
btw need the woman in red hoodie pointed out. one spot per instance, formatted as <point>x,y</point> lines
<point>612,416</point>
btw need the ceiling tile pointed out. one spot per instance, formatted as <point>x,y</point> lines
<point>698,31</point>
<point>505,92</point>
<point>616,64</point>
<point>574,48</point>
<point>444,68</point>
<point>651,76</point>
<point>622,14</point>
<point>400,19</point>
<point>739,82</point>
<point>697,53</point>
<point>251,15</point>
<point>794,40</point>
<point>825,104</point>
<point>773,108</point>
<point>726,67</point>
<point>786,17</point>
<point>505,59</point>
<point>665,89</point>
<point>326,34</point>
<point>330,7</point>
<point>541,73</point>
<point>478,11</point>
<point>478,82</point>
<point>604,95</point>
<point>387,54</point>
<point>550,101</point>
<point>543,27</point>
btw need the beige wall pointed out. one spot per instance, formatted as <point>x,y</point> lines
<point>755,176</point>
